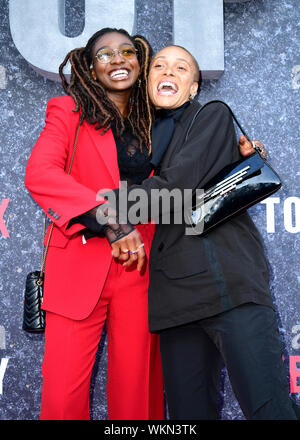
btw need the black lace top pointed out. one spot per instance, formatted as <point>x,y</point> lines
<point>134,164</point>
<point>134,167</point>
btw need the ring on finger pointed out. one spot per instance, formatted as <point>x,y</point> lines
<point>136,250</point>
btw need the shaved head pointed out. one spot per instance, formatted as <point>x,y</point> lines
<point>174,77</point>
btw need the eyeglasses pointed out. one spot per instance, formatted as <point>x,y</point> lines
<point>105,55</point>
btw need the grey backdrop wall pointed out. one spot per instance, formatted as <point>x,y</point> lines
<point>262,84</point>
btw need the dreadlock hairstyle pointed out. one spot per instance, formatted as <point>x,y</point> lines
<point>91,99</point>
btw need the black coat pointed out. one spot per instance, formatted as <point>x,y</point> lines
<point>194,277</point>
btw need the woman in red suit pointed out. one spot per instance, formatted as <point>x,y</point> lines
<point>84,285</point>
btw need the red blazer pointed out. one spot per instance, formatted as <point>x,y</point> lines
<point>75,272</point>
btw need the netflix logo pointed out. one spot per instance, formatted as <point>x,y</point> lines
<point>3,228</point>
<point>295,374</point>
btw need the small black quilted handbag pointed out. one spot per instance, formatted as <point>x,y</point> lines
<point>33,315</point>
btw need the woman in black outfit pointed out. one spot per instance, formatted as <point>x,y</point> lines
<point>209,296</point>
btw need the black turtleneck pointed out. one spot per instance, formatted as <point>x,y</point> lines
<point>162,131</point>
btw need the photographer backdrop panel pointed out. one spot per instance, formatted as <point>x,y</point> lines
<point>258,44</point>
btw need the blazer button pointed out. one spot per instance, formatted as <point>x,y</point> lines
<point>160,247</point>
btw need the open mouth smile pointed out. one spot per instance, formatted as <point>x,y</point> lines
<point>167,88</point>
<point>119,74</point>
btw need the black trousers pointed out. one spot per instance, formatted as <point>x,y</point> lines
<point>245,339</point>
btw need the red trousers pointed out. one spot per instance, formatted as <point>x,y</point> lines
<point>134,376</point>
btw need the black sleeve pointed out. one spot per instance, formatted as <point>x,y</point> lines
<point>89,220</point>
<point>211,146</point>
<point>113,232</point>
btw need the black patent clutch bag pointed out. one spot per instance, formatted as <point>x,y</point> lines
<point>234,189</point>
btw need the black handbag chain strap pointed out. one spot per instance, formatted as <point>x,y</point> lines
<point>256,147</point>
<point>45,247</point>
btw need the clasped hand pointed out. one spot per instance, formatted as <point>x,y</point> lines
<point>130,249</point>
